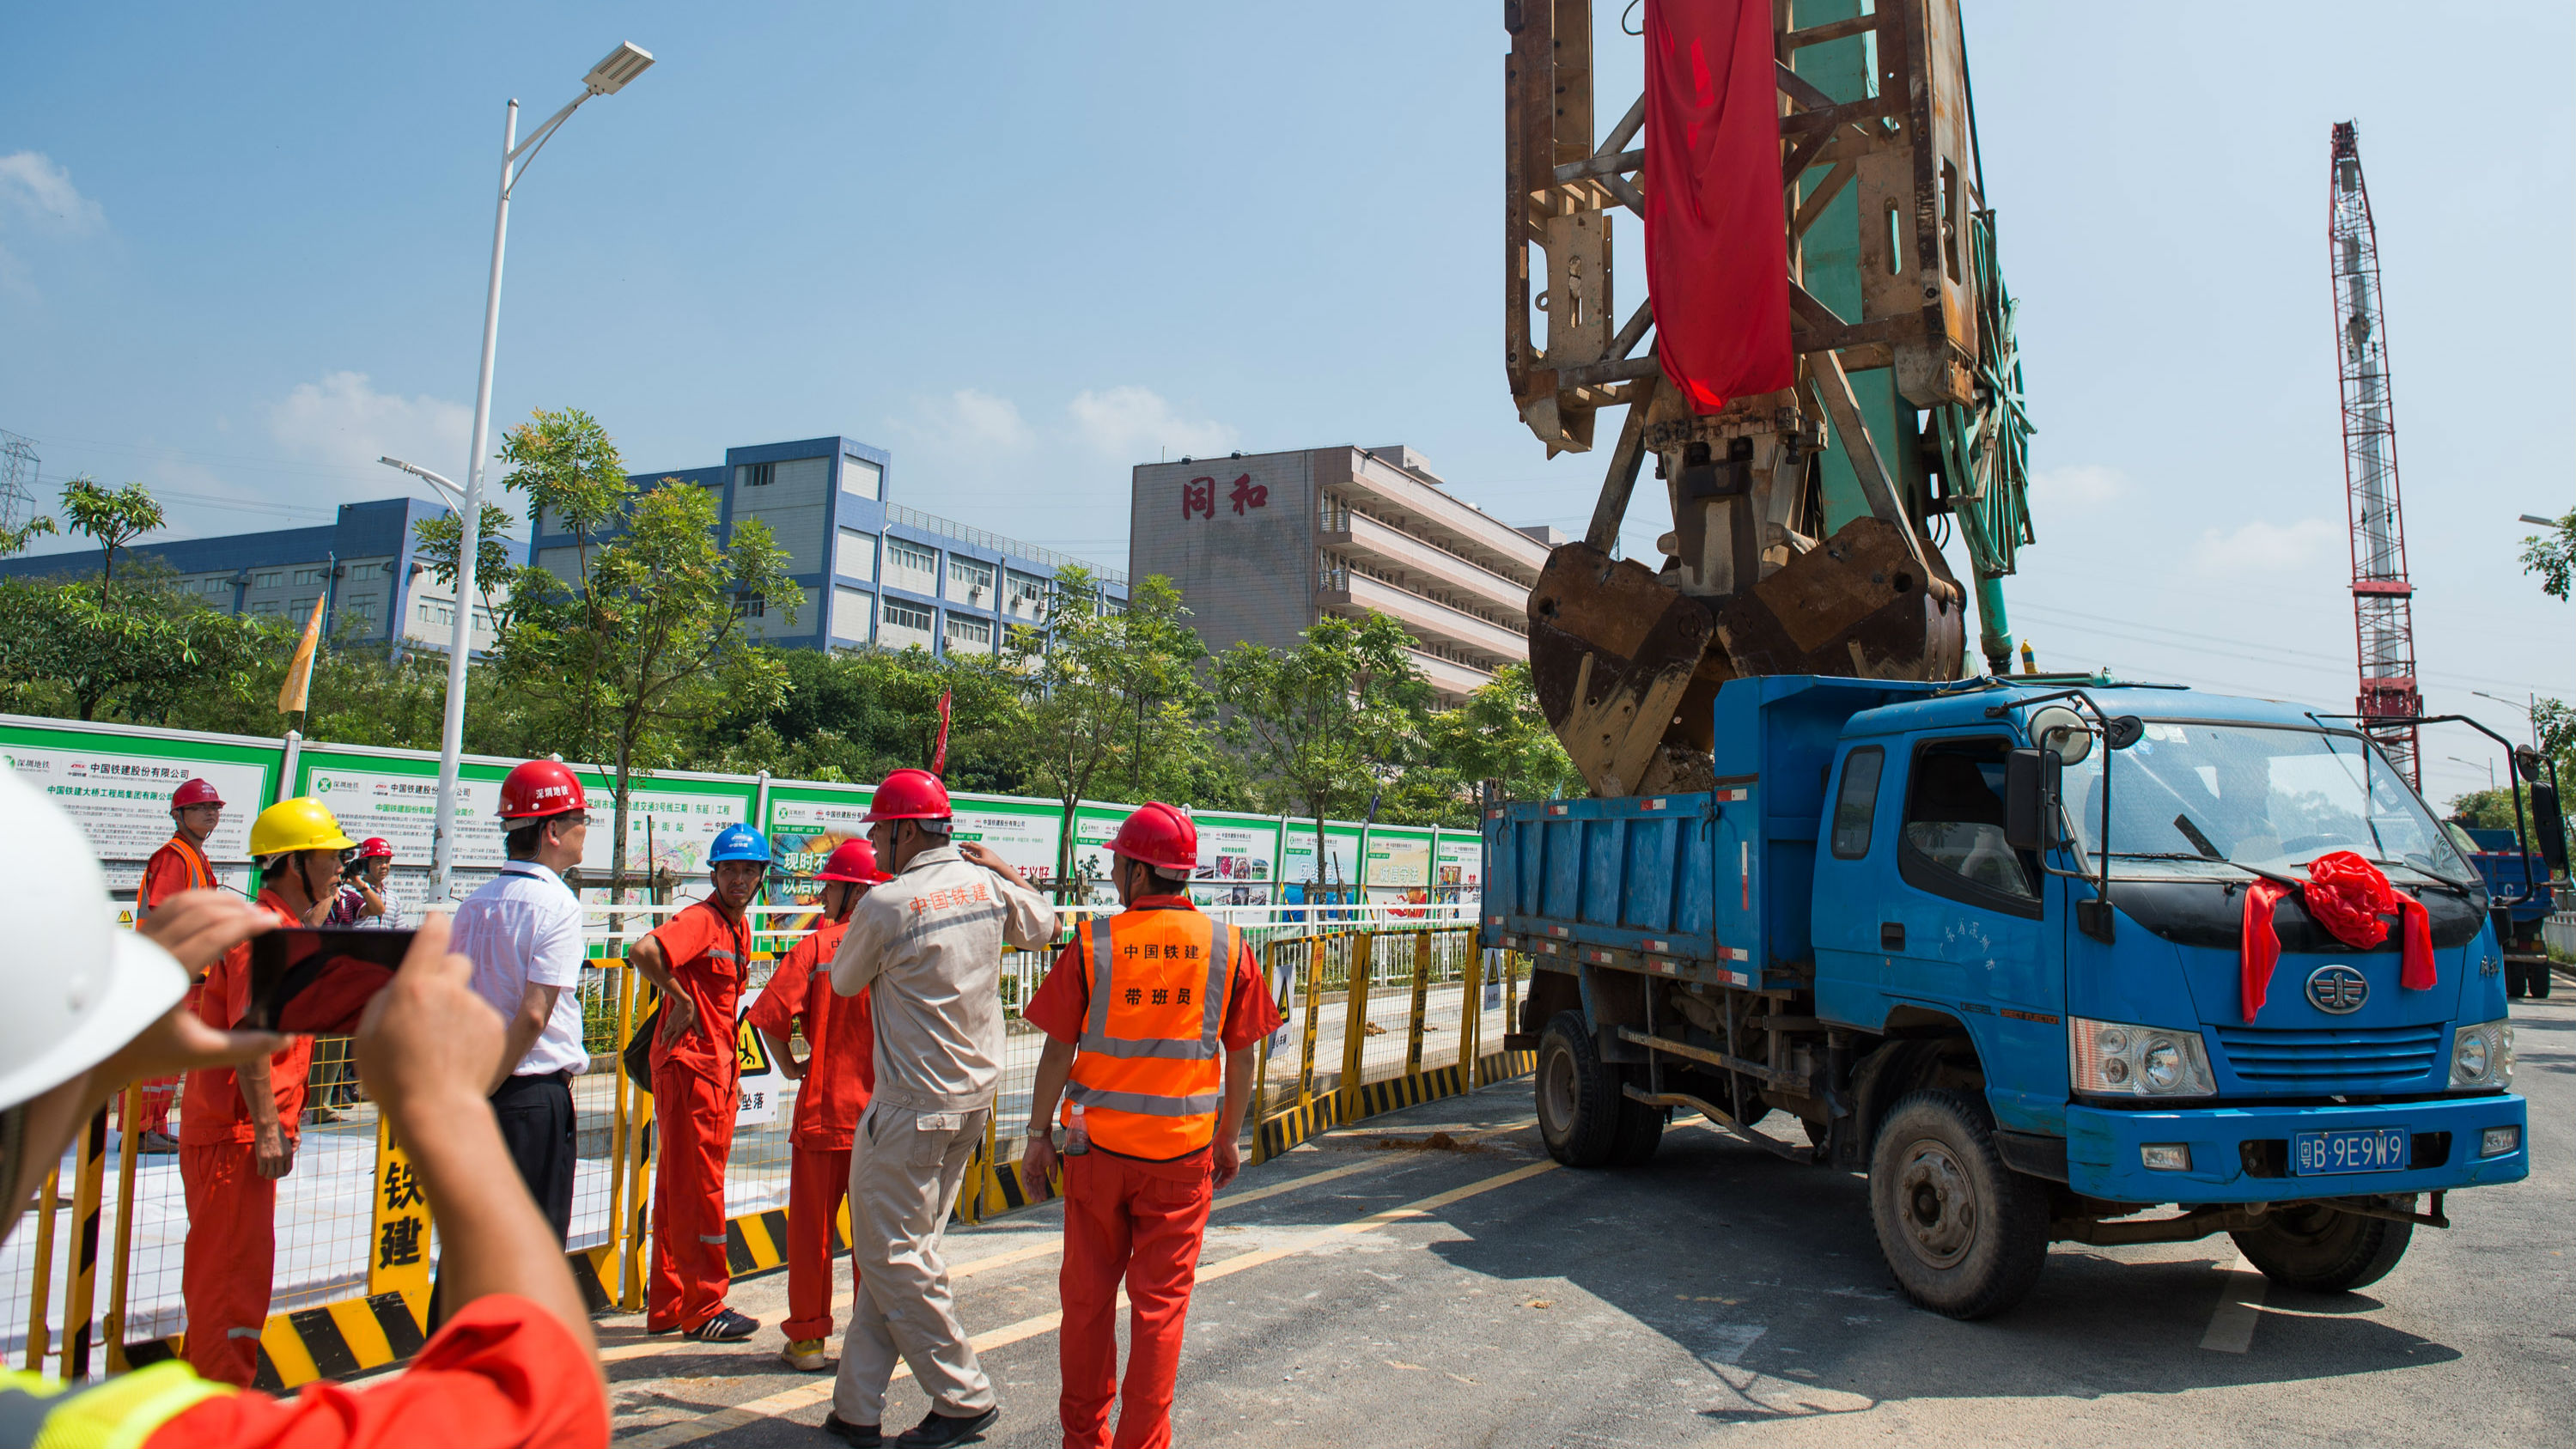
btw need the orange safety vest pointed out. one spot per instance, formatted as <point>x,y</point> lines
<point>1149,1069</point>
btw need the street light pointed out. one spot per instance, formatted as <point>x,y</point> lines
<point>2473,764</point>
<point>607,78</point>
<point>2537,519</point>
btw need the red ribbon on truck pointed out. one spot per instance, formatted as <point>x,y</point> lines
<point>2347,895</point>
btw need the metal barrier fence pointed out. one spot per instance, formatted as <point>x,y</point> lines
<point>1372,995</point>
<point>2558,933</point>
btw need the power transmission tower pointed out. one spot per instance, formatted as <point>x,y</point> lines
<point>19,467</point>
<point>2383,602</point>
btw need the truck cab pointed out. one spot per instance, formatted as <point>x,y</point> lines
<point>2520,895</point>
<point>1991,942</point>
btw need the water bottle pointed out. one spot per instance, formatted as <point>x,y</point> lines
<point>1077,1137</point>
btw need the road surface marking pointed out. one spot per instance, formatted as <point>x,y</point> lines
<point>2231,1328</point>
<point>650,1348</point>
<point>807,1396</point>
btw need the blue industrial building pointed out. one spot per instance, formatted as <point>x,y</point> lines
<point>365,566</point>
<point>870,571</point>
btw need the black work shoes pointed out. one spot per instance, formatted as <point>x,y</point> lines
<point>726,1327</point>
<point>939,1430</point>
<point>860,1436</point>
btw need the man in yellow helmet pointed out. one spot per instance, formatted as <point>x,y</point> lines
<point>237,1126</point>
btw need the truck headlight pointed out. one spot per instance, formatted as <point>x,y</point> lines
<point>2117,1059</point>
<point>2482,1055</point>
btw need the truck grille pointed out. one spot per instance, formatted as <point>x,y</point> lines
<point>2324,1059</point>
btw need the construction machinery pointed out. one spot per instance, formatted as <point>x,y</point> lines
<point>1807,523</point>
<point>2383,601</point>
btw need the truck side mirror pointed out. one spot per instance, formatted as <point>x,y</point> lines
<point>2030,799</point>
<point>2526,763</point>
<point>2551,827</point>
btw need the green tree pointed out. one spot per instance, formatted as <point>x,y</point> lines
<point>132,650</point>
<point>1328,723</point>
<point>647,640</point>
<point>441,540</point>
<point>1112,695</point>
<point>15,540</point>
<point>2552,555</point>
<point>1498,734</point>
<point>114,517</point>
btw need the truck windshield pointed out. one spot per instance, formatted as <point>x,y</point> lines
<point>2268,799</point>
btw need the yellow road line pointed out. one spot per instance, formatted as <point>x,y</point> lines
<point>652,1347</point>
<point>807,1396</point>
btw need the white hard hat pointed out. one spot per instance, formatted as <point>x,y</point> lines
<point>78,986</point>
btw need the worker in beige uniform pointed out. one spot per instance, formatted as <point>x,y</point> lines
<point>927,947</point>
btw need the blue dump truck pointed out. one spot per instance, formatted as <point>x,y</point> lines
<point>1985,941</point>
<point>2520,899</point>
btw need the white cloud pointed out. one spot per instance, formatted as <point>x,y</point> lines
<point>346,424</point>
<point>2077,485</point>
<point>1132,424</point>
<point>2264,549</point>
<point>32,185</point>
<point>967,423</point>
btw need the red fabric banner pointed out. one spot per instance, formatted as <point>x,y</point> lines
<point>1717,246</point>
<point>939,752</point>
<point>2347,895</point>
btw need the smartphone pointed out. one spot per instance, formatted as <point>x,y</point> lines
<point>319,980</point>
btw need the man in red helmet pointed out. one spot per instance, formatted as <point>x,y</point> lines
<point>1151,1016</point>
<point>196,808</point>
<point>927,947</point>
<point>522,931</point>
<point>835,1079</point>
<point>365,903</point>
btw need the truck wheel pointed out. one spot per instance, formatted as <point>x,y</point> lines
<point>1578,1097</point>
<point>2512,978</point>
<point>2322,1250</point>
<point>1641,1131</point>
<point>1964,1234</point>
<point>2538,981</point>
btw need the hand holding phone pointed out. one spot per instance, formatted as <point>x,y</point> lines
<point>312,980</point>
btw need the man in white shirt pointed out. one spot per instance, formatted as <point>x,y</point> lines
<point>522,931</point>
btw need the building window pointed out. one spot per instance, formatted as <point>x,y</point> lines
<point>360,614</point>
<point>268,579</point>
<point>264,606</point>
<point>856,555</point>
<point>966,632</point>
<point>754,475</point>
<point>862,477</point>
<point>1024,595</point>
<point>436,615</point>
<point>850,612</point>
<point>303,607</point>
<point>905,554</point>
<point>313,576</point>
<point>757,607</point>
<point>970,580</point>
<point>907,616</point>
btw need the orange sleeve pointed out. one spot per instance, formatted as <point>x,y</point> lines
<point>1250,1011</point>
<point>779,1002</point>
<point>502,1374</point>
<point>164,876</point>
<point>682,938</point>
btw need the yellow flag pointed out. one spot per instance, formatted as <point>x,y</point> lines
<point>299,670</point>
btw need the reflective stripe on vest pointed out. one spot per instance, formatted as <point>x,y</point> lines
<point>119,1413</point>
<point>1145,1094</point>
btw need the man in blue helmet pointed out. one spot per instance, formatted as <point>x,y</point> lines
<point>700,959</point>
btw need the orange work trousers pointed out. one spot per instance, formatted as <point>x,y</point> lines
<point>693,1120</point>
<point>817,1181</point>
<point>1141,1221</point>
<point>231,1253</point>
<point>159,1095</point>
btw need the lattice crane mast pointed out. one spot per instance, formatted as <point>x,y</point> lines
<point>2383,602</point>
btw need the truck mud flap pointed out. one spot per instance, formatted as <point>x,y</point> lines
<point>1805,1156</point>
<point>2032,1154</point>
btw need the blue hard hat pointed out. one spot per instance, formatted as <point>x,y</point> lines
<point>738,842</point>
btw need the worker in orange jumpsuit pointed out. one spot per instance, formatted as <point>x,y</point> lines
<point>699,959</point>
<point>238,1126</point>
<point>1152,1017</point>
<point>196,808</point>
<point>837,1077</point>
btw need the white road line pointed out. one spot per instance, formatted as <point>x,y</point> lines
<point>2231,1328</point>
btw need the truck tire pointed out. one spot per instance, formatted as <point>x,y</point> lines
<point>1965,1235</point>
<point>2538,980</point>
<point>1641,1131</point>
<point>1580,1115</point>
<point>2517,979</point>
<point>2323,1251</point>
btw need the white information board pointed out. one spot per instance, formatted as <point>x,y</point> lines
<point>402,810</point>
<point>122,802</point>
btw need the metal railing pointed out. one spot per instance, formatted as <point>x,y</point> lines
<point>998,543</point>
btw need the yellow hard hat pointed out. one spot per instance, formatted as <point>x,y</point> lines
<point>299,824</point>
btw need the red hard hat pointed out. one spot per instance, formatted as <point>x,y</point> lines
<point>539,787</point>
<point>195,792</point>
<point>1161,836</point>
<point>910,795</point>
<point>853,860</point>
<point>374,846</point>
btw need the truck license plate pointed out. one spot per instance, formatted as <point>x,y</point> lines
<point>2359,1149</point>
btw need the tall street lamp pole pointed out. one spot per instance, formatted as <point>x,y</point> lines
<point>607,78</point>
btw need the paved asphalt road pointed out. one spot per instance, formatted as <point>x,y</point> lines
<point>1724,1296</point>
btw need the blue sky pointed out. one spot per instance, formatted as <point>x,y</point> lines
<point>242,252</point>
